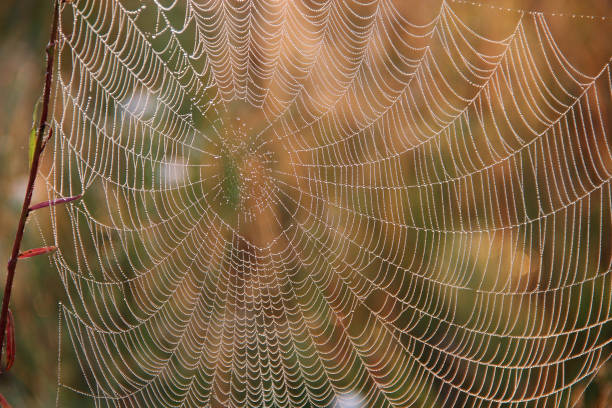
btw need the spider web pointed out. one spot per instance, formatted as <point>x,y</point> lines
<point>328,203</point>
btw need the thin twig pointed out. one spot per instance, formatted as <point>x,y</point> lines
<point>12,263</point>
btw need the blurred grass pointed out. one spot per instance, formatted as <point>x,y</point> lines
<point>32,382</point>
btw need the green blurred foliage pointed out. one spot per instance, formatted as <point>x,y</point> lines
<point>32,382</point>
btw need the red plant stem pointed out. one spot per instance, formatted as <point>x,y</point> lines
<point>12,263</point>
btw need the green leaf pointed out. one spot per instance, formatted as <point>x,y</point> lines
<point>32,144</point>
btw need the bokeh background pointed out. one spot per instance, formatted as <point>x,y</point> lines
<point>24,26</point>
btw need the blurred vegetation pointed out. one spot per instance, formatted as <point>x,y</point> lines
<point>24,26</point>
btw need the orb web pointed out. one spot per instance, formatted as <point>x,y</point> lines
<point>319,203</point>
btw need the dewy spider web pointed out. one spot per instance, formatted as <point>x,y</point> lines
<point>327,203</point>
